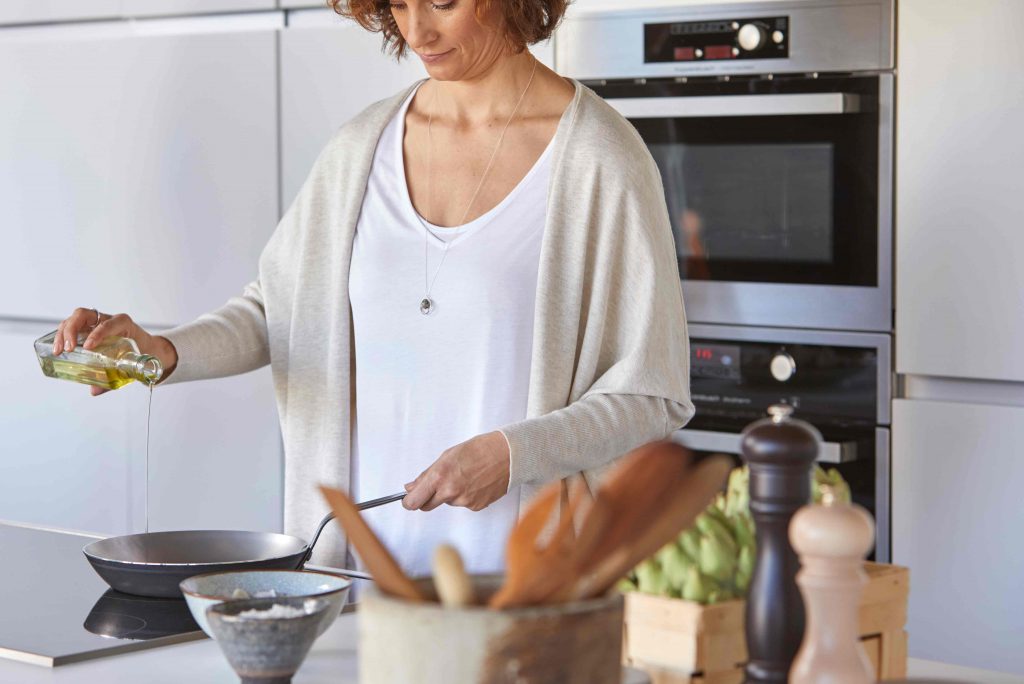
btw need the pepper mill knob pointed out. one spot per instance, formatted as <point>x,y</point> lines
<point>832,540</point>
<point>780,451</point>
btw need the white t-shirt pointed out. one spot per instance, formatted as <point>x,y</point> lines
<point>425,383</point>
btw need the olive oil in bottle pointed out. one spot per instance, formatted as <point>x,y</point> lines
<point>112,364</point>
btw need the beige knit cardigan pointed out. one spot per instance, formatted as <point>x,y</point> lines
<point>610,361</point>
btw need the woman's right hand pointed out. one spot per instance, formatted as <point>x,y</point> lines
<point>100,326</point>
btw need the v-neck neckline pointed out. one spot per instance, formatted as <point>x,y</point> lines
<point>459,233</point>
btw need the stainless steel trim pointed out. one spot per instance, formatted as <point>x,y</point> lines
<point>729,443</point>
<point>883,497</point>
<point>882,344</point>
<point>793,104</point>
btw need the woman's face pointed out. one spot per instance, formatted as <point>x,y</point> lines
<point>446,34</point>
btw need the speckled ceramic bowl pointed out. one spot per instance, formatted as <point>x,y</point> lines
<point>267,650</point>
<point>203,591</point>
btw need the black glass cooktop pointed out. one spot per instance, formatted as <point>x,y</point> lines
<point>57,610</point>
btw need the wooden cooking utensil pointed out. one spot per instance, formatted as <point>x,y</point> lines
<point>521,549</point>
<point>656,527</point>
<point>385,570</point>
<point>646,479</point>
<point>454,588</point>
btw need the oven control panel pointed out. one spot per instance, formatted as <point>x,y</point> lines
<point>743,378</point>
<point>726,39</point>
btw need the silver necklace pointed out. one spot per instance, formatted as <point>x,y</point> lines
<point>427,304</point>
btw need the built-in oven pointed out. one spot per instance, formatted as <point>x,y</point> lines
<point>771,124</point>
<point>837,381</point>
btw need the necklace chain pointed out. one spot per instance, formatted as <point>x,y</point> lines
<point>427,304</point>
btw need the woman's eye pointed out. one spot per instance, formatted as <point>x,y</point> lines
<point>444,6</point>
<point>397,6</point>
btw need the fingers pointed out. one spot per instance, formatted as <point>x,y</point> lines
<point>120,324</point>
<point>97,391</point>
<point>421,492</point>
<point>80,320</point>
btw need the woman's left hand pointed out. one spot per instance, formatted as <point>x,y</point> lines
<point>473,475</point>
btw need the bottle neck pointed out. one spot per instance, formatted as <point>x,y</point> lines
<point>142,367</point>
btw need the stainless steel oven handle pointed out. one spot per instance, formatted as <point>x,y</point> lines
<point>792,104</point>
<point>729,443</point>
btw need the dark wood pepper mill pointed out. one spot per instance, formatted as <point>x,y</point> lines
<point>780,451</point>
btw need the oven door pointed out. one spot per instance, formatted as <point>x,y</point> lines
<point>861,456</point>
<point>779,194</point>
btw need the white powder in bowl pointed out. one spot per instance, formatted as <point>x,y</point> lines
<point>278,611</point>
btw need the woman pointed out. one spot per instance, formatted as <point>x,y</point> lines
<point>476,286</point>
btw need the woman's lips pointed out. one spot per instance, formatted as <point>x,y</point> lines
<point>436,57</point>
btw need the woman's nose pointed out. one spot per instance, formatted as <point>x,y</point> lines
<point>420,30</point>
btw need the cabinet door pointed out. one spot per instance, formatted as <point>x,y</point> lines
<point>960,160</point>
<point>320,89</point>
<point>33,11</point>
<point>216,459</point>
<point>65,460</point>
<point>956,522</point>
<point>137,174</point>
<point>141,8</point>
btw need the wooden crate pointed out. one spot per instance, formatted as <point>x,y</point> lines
<point>681,642</point>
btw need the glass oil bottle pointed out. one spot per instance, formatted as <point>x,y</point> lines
<point>112,364</point>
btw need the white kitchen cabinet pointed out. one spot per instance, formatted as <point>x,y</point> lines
<point>216,458</point>
<point>33,11</point>
<point>331,69</point>
<point>960,160</point>
<point>143,8</point>
<point>956,522</point>
<point>137,174</point>
<point>64,460</point>
<point>73,461</point>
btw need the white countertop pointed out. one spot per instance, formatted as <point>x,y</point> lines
<point>332,660</point>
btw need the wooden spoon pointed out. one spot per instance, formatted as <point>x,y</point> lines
<point>381,564</point>
<point>521,548</point>
<point>656,528</point>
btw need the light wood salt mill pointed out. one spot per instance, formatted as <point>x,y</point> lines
<point>831,540</point>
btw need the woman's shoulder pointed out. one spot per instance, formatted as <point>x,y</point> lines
<point>601,136</point>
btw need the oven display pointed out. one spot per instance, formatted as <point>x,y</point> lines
<point>715,361</point>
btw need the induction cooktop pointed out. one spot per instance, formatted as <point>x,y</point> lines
<point>57,610</point>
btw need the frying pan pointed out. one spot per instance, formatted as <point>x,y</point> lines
<point>153,563</point>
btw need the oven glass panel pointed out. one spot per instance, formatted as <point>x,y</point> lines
<point>753,202</point>
<point>776,199</point>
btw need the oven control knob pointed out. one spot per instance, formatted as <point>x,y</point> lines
<point>751,37</point>
<point>783,367</point>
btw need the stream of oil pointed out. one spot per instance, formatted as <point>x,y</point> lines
<point>149,414</point>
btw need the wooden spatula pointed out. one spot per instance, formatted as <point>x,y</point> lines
<point>382,565</point>
<point>657,527</point>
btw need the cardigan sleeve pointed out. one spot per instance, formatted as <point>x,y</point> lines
<point>588,434</point>
<point>231,340</point>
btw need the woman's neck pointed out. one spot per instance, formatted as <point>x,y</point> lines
<point>486,97</point>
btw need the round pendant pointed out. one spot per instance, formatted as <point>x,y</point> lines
<point>426,306</point>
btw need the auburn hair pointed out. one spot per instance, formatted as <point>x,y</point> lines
<point>525,21</point>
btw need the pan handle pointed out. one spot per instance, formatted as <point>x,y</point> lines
<point>372,503</point>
